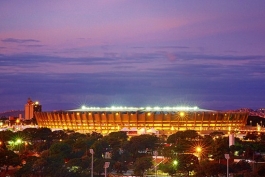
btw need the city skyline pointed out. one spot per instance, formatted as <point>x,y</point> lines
<point>66,54</point>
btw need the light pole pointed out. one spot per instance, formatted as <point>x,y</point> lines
<point>106,165</point>
<point>92,153</point>
<point>155,153</point>
<point>227,164</point>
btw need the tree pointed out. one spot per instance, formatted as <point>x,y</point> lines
<point>30,134</point>
<point>9,158</point>
<point>141,164</point>
<point>208,168</point>
<point>169,167</point>
<point>187,163</point>
<point>61,148</point>
<point>120,167</point>
<point>75,168</point>
<point>139,145</point>
<point>59,135</point>
<point>44,134</point>
<point>183,135</point>
<point>180,163</point>
<point>26,169</point>
<point>261,170</point>
<point>241,167</point>
<point>219,148</point>
<point>99,148</point>
<point>116,139</point>
<point>216,134</point>
<point>48,166</point>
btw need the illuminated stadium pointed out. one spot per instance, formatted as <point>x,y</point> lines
<point>153,120</point>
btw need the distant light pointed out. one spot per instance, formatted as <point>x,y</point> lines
<point>156,108</point>
<point>19,141</point>
<point>198,149</point>
<point>182,114</point>
<point>148,108</point>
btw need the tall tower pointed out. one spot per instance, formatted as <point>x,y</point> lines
<point>31,107</point>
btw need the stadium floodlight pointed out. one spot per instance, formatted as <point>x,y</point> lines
<point>148,108</point>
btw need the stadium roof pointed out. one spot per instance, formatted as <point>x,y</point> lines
<point>139,109</point>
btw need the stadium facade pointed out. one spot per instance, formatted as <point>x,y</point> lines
<point>134,120</point>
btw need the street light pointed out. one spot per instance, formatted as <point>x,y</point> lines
<point>227,167</point>
<point>92,153</point>
<point>106,165</point>
<point>155,153</point>
<point>175,162</point>
<point>198,150</point>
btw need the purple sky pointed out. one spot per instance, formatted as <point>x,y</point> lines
<point>67,53</point>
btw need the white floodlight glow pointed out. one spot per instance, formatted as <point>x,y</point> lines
<point>157,108</point>
<point>167,108</point>
<point>148,108</point>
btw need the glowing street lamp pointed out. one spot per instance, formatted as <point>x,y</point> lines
<point>18,141</point>
<point>175,162</point>
<point>198,150</point>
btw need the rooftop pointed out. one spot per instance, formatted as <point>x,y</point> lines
<point>139,109</point>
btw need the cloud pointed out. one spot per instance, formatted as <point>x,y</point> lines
<point>19,41</point>
<point>172,47</point>
<point>196,56</point>
<point>34,46</point>
<point>188,65</point>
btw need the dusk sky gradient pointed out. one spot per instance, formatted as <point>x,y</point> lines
<point>69,53</point>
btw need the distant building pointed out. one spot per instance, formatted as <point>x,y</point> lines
<point>31,107</point>
<point>143,120</point>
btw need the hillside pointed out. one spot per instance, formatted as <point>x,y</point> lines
<point>12,113</point>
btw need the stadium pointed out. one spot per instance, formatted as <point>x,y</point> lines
<point>152,120</point>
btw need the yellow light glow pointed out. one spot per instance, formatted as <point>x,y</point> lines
<point>182,114</point>
<point>198,149</point>
<point>175,162</point>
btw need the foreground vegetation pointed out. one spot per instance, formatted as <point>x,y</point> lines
<point>41,152</point>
